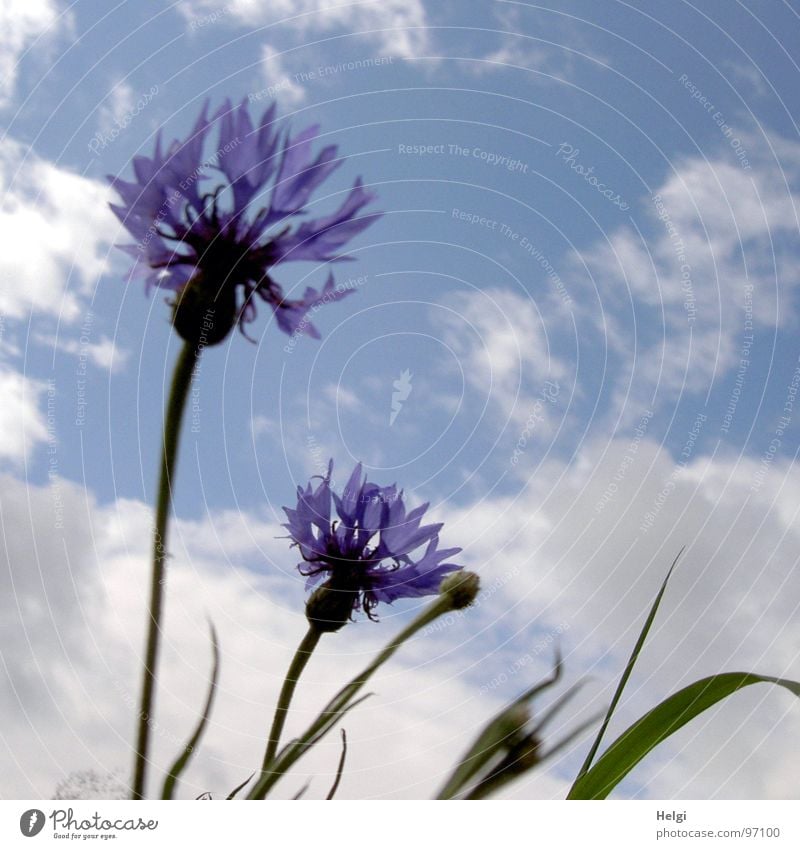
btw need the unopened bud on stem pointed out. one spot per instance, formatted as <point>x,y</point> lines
<point>461,588</point>
<point>329,608</point>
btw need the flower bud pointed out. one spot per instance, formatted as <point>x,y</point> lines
<point>329,609</point>
<point>204,312</point>
<point>461,588</point>
<point>525,756</point>
<point>513,721</point>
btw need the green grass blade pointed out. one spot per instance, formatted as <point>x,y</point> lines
<point>301,792</point>
<point>493,736</point>
<point>239,787</point>
<point>339,769</point>
<point>486,748</point>
<point>171,781</point>
<point>658,724</point>
<point>295,749</point>
<point>626,674</point>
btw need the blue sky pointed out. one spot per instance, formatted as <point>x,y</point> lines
<point>587,268</point>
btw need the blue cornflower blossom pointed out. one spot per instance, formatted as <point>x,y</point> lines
<point>215,249</point>
<point>364,555</point>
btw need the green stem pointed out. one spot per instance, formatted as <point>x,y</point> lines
<point>296,667</point>
<point>173,417</point>
<point>343,701</point>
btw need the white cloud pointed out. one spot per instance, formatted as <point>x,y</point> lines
<point>551,61</point>
<point>263,426</point>
<point>22,425</point>
<point>502,346</point>
<point>48,582</point>
<point>104,353</point>
<point>279,79</point>
<point>342,397</point>
<point>674,297</point>
<point>120,103</point>
<point>531,46</point>
<point>566,552</point>
<point>72,699</point>
<point>22,22</point>
<point>57,228</point>
<point>750,77</point>
<point>547,558</point>
<point>397,26</point>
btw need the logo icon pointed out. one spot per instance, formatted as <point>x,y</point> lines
<point>31,822</point>
<point>402,389</point>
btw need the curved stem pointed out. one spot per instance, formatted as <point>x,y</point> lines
<point>173,416</point>
<point>343,701</point>
<point>296,667</point>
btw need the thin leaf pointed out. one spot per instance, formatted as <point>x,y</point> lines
<point>573,735</point>
<point>171,781</point>
<point>494,735</point>
<point>517,761</point>
<point>325,723</point>
<point>343,701</point>
<point>301,792</point>
<point>526,754</point>
<point>239,787</point>
<point>626,674</point>
<point>295,749</point>
<point>487,747</point>
<point>658,724</point>
<point>557,705</point>
<point>339,769</point>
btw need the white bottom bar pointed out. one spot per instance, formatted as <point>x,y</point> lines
<point>401,825</point>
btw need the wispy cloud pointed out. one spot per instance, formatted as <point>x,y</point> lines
<point>501,343</point>
<point>712,257</point>
<point>119,103</point>
<point>549,564</point>
<point>559,51</point>
<point>22,23</point>
<point>23,424</point>
<point>280,81</point>
<point>104,353</point>
<point>397,26</point>
<point>731,605</point>
<point>58,230</point>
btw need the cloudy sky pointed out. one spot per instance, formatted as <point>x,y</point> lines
<point>587,272</point>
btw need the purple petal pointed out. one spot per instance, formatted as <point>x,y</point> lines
<point>321,239</point>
